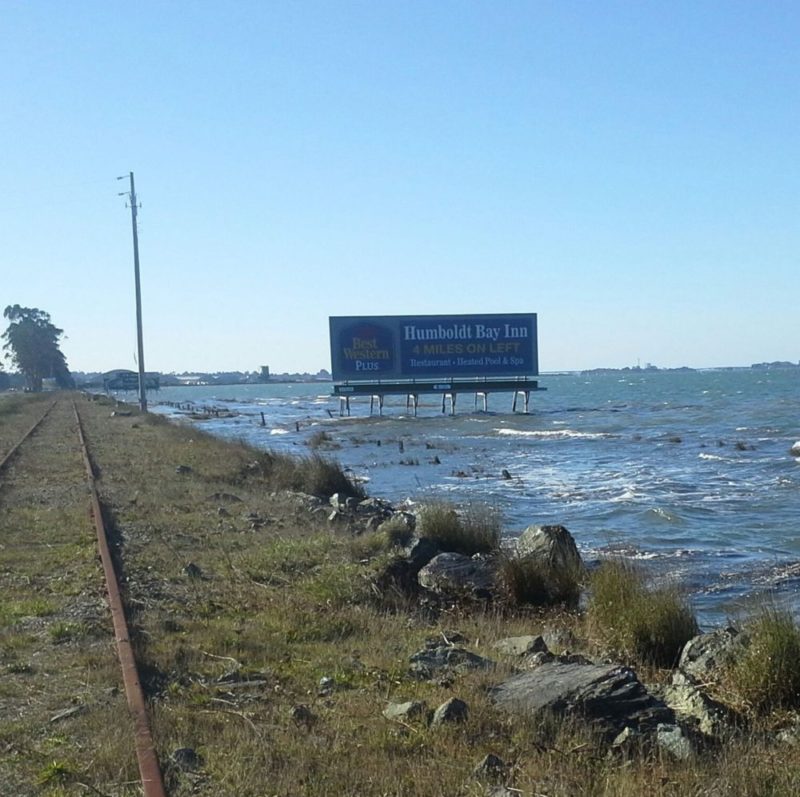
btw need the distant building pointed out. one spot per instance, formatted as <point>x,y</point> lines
<point>264,375</point>
<point>124,379</point>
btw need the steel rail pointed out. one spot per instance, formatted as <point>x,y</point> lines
<point>10,455</point>
<point>149,769</point>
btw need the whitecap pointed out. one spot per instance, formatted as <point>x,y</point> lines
<point>555,434</point>
<point>279,431</point>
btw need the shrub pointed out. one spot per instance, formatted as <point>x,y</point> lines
<point>321,439</point>
<point>397,530</point>
<point>314,475</point>
<point>528,581</point>
<point>476,531</point>
<point>767,675</point>
<point>650,626</point>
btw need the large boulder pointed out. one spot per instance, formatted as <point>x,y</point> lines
<point>456,575</point>
<point>705,656</point>
<point>610,697</point>
<point>554,546</point>
<point>691,704</point>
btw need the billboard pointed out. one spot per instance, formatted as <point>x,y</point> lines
<point>376,348</point>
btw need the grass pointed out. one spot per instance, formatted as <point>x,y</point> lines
<point>767,676</point>
<point>397,531</point>
<point>314,474</point>
<point>644,625</point>
<point>475,530</point>
<point>529,582</point>
<point>280,604</point>
<point>321,439</point>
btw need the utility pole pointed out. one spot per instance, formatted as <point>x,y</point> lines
<point>134,208</point>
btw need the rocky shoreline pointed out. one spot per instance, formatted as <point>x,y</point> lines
<point>682,714</point>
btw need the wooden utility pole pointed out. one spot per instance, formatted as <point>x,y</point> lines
<point>139,339</point>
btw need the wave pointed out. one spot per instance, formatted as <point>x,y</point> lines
<point>556,434</point>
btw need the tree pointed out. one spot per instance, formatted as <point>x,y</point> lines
<point>32,346</point>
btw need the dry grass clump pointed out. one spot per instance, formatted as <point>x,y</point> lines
<point>650,626</point>
<point>476,530</point>
<point>766,676</point>
<point>321,439</point>
<point>314,475</point>
<point>530,582</point>
<point>397,531</point>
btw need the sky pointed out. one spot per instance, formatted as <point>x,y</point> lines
<point>627,171</point>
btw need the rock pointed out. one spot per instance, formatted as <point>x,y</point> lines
<point>671,738</point>
<point>704,656</point>
<point>374,506</point>
<point>186,759</point>
<point>425,664</point>
<point>457,575</point>
<point>627,740</point>
<point>610,697</point>
<point>454,710</point>
<point>326,686</point>
<point>412,710</point>
<point>420,552</point>
<point>795,449</point>
<point>338,501</point>
<point>400,573</point>
<point>338,519</point>
<point>559,639</point>
<point>533,660</point>
<point>689,702</point>
<point>574,658</point>
<point>491,767</point>
<point>520,645</point>
<point>553,545</point>
<point>373,523</point>
<point>302,715</point>
<point>183,469</point>
<point>193,571</point>
<point>505,474</point>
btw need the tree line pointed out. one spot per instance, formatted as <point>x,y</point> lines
<point>32,347</point>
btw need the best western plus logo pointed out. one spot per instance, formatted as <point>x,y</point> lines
<point>367,349</point>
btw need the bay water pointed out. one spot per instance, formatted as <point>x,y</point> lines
<point>688,472</point>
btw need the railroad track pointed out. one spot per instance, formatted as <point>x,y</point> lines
<point>40,518</point>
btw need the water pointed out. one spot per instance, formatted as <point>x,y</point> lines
<point>687,471</point>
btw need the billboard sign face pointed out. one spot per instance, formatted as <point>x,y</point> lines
<point>433,347</point>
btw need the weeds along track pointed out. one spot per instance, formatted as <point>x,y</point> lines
<point>64,724</point>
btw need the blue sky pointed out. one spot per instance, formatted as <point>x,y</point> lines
<point>628,171</point>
